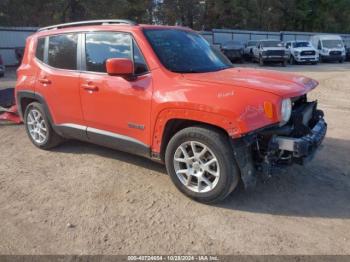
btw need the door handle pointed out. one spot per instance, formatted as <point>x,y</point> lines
<point>44,81</point>
<point>90,87</point>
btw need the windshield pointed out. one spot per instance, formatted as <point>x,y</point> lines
<point>251,43</point>
<point>233,45</point>
<point>301,44</point>
<point>185,52</point>
<point>332,43</point>
<point>271,44</point>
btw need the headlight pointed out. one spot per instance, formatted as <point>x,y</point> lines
<point>286,110</point>
<point>296,53</point>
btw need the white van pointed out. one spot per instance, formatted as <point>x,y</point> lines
<point>330,47</point>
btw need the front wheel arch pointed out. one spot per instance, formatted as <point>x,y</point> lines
<point>173,126</point>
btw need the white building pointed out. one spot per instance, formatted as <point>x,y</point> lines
<point>11,38</point>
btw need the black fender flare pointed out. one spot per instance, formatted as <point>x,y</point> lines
<point>20,95</point>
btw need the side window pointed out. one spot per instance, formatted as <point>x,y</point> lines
<point>63,51</point>
<point>104,45</point>
<point>139,61</point>
<point>40,47</point>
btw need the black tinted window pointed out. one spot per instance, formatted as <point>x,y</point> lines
<point>101,46</point>
<point>63,51</point>
<point>139,61</point>
<point>40,47</point>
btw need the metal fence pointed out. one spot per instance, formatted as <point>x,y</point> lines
<point>217,37</point>
<point>12,38</point>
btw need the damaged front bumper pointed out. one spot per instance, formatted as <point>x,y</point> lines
<point>262,152</point>
<point>304,147</point>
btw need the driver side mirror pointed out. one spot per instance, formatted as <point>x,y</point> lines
<point>120,67</point>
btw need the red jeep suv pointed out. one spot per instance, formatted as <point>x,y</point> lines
<point>164,93</point>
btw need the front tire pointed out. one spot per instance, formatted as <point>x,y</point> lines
<point>39,128</point>
<point>201,164</point>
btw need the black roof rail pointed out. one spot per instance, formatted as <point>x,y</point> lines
<point>90,22</point>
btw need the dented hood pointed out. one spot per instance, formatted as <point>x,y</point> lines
<point>278,83</point>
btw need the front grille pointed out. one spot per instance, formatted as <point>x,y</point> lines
<point>335,52</point>
<point>306,53</point>
<point>275,53</point>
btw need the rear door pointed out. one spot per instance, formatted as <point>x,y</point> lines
<point>115,109</point>
<point>58,78</point>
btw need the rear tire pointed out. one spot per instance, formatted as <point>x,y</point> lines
<point>201,164</point>
<point>39,128</point>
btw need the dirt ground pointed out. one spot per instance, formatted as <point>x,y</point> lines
<point>122,204</point>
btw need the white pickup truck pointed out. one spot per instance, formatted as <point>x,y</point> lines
<point>248,49</point>
<point>302,52</point>
<point>270,51</point>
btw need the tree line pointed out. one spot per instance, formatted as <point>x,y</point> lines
<point>271,15</point>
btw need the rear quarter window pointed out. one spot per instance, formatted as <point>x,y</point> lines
<point>40,47</point>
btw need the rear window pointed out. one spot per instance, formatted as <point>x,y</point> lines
<point>40,47</point>
<point>63,51</point>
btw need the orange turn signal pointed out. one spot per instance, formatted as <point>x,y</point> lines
<point>268,109</point>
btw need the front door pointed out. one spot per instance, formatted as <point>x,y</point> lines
<point>116,110</point>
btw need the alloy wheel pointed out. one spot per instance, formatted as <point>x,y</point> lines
<point>37,126</point>
<point>196,166</point>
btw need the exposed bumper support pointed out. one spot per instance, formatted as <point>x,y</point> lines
<point>306,145</point>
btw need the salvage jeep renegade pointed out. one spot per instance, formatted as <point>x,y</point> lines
<point>164,93</point>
